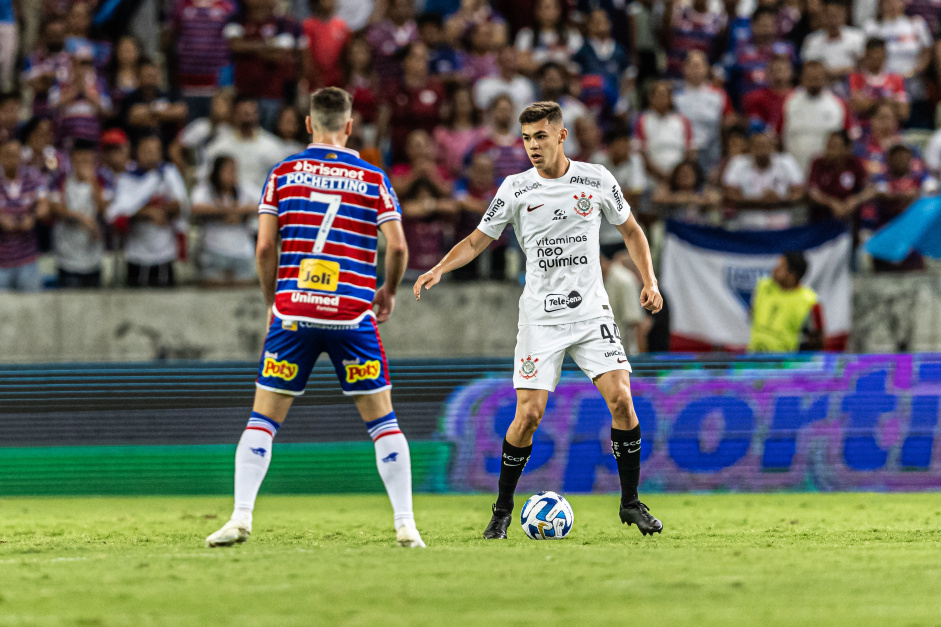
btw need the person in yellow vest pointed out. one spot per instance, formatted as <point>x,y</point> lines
<point>785,315</point>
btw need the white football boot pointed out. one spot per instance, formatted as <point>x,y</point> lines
<point>233,532</point>
<point>407,536</point>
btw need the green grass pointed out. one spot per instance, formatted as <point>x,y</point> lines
<point>783,559</point>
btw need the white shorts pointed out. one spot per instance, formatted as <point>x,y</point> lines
<point>595,345</point>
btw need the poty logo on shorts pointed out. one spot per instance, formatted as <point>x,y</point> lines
<point>362,372</point>
<point>555,302</point>
<point>327,170</point>
<point>584,180</point>
<point>279,369</point>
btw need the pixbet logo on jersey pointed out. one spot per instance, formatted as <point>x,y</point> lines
<point>361,372</point>
<point>528,188</point>
<point>279,369</point>
<point>587,182</point>
<point>555,302</point>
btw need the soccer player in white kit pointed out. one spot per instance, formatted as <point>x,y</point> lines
<point>556,211</point>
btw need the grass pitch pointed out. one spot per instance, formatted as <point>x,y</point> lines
<point>789,559</point>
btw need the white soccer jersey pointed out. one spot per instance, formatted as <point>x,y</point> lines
<point>557,222</point>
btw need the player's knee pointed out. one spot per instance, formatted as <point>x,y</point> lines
<point>529,417</point>
<point>621,405</point>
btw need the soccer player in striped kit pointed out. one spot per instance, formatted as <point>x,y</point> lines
<point>328,206</point>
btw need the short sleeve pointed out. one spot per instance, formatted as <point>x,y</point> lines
<point>733,173</point>
<point>613,204</point>
<point>269,195</point>
<point>202,195</point>
<point>389,208</point>
<point>794,174</point>
<point>500,211</point>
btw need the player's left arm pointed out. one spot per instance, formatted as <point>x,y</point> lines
<point>266,256</point>
<point>639,249</point>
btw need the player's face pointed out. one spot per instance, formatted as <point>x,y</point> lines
<point>543,142</point>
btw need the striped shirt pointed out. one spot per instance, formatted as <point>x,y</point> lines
<point>202,49</point>
<point>327,274</point>
<point>18,199</point>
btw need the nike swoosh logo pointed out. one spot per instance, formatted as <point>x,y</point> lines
<point>511,465</point>
<point>528,208</point>
<point>621,361</point>
<point>633,450</point>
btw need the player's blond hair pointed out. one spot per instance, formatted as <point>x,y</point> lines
<point>330,108</point>
<point>545,110</point>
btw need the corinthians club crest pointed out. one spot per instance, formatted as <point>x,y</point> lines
<point>583,205</point>
<point>528,369</point>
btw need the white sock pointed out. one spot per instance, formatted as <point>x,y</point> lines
<point>252,458</point>
<point>395,466</point>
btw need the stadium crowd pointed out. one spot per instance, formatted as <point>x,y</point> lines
<point>122,142</point>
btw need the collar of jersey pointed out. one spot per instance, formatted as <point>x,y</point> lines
<point>332,147</point>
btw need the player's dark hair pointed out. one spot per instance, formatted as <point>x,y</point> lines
<point>330,108</point>
<point>697,171</point>
<point>796,264</point>
<point>86,145</point>
<point>545,110</point>
<point>875,42</point>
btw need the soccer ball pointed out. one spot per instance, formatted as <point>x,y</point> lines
<point>547,516</point>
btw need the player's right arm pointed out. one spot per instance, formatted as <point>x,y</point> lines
<point>462,254</point>
<point>491,225</point>
<point>266,248</point>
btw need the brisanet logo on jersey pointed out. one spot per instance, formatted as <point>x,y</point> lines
<point>555,302</point>
<point>586,181</point>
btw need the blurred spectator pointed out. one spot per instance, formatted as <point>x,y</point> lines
<point>78,203</point>
<point>116,157</point>
<point>811,113</point>
<point>503,143</point>
<point>508,81</point>
<point>150,108</point>
<point>908,41</point>
<point>763,185</point>
<point>79,102</point>
<point>47,65</point>
<point>623,291</point>
<point>627,166</point>
<point>415,102</point>
<point>895,190</point>
<point>933,154</point>
<point>124,70</point>
<point>9,43</point>
<point>838,46</point>
<point>688,28</point>
<point>873,85</point>
<point>705,106</point>
<point>223,207</point>
<point>478,58</point>
<point>686,196</point>
<point>767,104</point>
<point>883,134</point>
<point>664,137</point>
<point>40,153</point>
<point>472,14</point>
<point>927,10</point>
<point>361,79</point>
<point>427,219</point>
<point>200,49</point>
<point>589,137</point>
<point>601,57</point>
<point>270,56</point>
<point>645,17</point>
<point>147,203</point>
<point>78,28</point>
<point>735,143</point>
<point>460,131</point>
<point>473,195</point>
<point>748,68</point>
<point>550,39</point>
<point>786,315</point>
<point>421,164</point>
<point>554,84</point>
<point>327,35</point>
<point>254,149</point>
<point>9,114</point>
<point>22,202</point>
<point>388,37</point>
<point>357,13</point>
<point>837,183</point>
<point>196,137</point>
<point>443,61</point>
<point>290,130</point>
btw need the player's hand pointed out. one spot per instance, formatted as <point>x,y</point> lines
<point>650,298</point>
<point>383,303</point>
<point>427,280</point>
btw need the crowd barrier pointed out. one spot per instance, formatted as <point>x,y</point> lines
<point>710,423</point>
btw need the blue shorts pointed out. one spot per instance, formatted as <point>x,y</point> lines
<point>292,349</point>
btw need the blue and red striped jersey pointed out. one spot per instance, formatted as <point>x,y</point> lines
<point>329,204</point>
